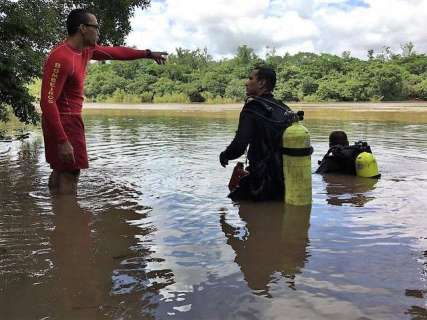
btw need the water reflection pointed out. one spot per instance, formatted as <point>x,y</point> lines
<point>347,189</point>
<point>273,243</point>
<point>100,268</point>
<point>418,312</point>
<point>78,283</point>
<point>149,244</point>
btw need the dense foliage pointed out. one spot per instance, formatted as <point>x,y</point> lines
<point>193,76</point>
<point>29,28</point>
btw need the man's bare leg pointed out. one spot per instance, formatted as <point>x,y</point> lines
<point>54,181</point>
<point>64,182</point>
<point>68,182</point>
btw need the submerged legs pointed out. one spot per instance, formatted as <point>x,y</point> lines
<point>64,182</point>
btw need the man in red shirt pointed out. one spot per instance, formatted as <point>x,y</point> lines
<point>62,96</point>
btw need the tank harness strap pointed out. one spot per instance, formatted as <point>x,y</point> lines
<point>267,103</point>
<point>297,152</point>
<point>290,115</point>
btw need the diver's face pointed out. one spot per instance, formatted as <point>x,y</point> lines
<point>254,87</point>
<point>90,31</point>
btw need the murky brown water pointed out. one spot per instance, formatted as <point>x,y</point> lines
<point>152,235</point>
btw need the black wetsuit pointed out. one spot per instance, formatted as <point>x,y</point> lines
<point>261,125</point>
<point>341,159</point>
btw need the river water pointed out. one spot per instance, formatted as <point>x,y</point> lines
<point>152,234</point>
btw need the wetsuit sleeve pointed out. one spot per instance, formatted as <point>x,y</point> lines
<point>117,53</point>
<point>55,74</point>
<point>244,135</point>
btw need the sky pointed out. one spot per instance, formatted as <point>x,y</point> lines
<point>319,26</point>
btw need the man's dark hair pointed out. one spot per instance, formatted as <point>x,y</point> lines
<point>338,138</point>
<point>75,18</point>
<point>267,74</point>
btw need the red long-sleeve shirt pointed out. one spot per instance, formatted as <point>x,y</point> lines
<point>63,80</point>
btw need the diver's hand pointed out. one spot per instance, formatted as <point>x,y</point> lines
<point>222,159</point>
<point>66,152</point>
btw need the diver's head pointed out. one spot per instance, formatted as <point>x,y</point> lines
<point>338,138</point>
<point>261,80</point>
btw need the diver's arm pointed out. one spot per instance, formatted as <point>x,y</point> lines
<point>243,137</point>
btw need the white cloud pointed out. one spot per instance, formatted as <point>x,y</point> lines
<point>212,11</point>
<point>287,25</point>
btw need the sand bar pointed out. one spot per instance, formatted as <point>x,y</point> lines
<point>418,106</point>
<point>406,111</point>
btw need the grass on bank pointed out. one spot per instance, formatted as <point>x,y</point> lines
<point>121,96</point>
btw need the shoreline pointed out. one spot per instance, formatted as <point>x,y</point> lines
<point>403,106</point>
<point>405,111</point>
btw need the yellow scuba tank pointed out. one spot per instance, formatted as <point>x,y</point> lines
<point>297,165</point>
<point>366,165</point>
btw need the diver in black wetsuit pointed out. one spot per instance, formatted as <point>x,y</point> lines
<point>341,157</point>
<point>262,122</point>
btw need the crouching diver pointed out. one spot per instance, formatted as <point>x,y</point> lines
<point>356,159</point>
<point>262,122</point>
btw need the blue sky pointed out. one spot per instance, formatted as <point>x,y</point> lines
<point>292,26</point>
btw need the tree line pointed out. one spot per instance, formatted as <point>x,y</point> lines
<point>193,76</point>
<point>29,29</point>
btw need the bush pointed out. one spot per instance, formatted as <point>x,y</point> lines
<point>376,98</point>
<point>308,86</point>
<point>421,90</point>
<point>221,100</point>
<point>196,96</point>
<point>117,96</point>
<point>311,98</point>
<point>172,98</point>
<point>146,97</point>
<point>287,91</point>
<point>388,82</point>
<point>236,89</point>
<point>120,96</point>
<point>328,91</point>
<point>166,87</point>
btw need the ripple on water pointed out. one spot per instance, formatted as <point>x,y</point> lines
<point>153,218</point>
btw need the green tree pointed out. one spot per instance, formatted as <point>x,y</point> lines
<point>408,49</point>
<point>165,86</point>
<point>142,83</point>
<point>245,55</point>
<point>288,90</point>
<point>300,77</point>
<point>236,89</point>
<point>388,82</point>
<point>272,59</point>
<point>196,59</point>
<point>29,28</point>
<point>215,82</point>
<point>329,90</point>
<point>308,86</point>
<point>421,89</point>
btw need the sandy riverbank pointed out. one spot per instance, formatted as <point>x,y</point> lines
<point>405,106</point>
<point>413,112</point>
